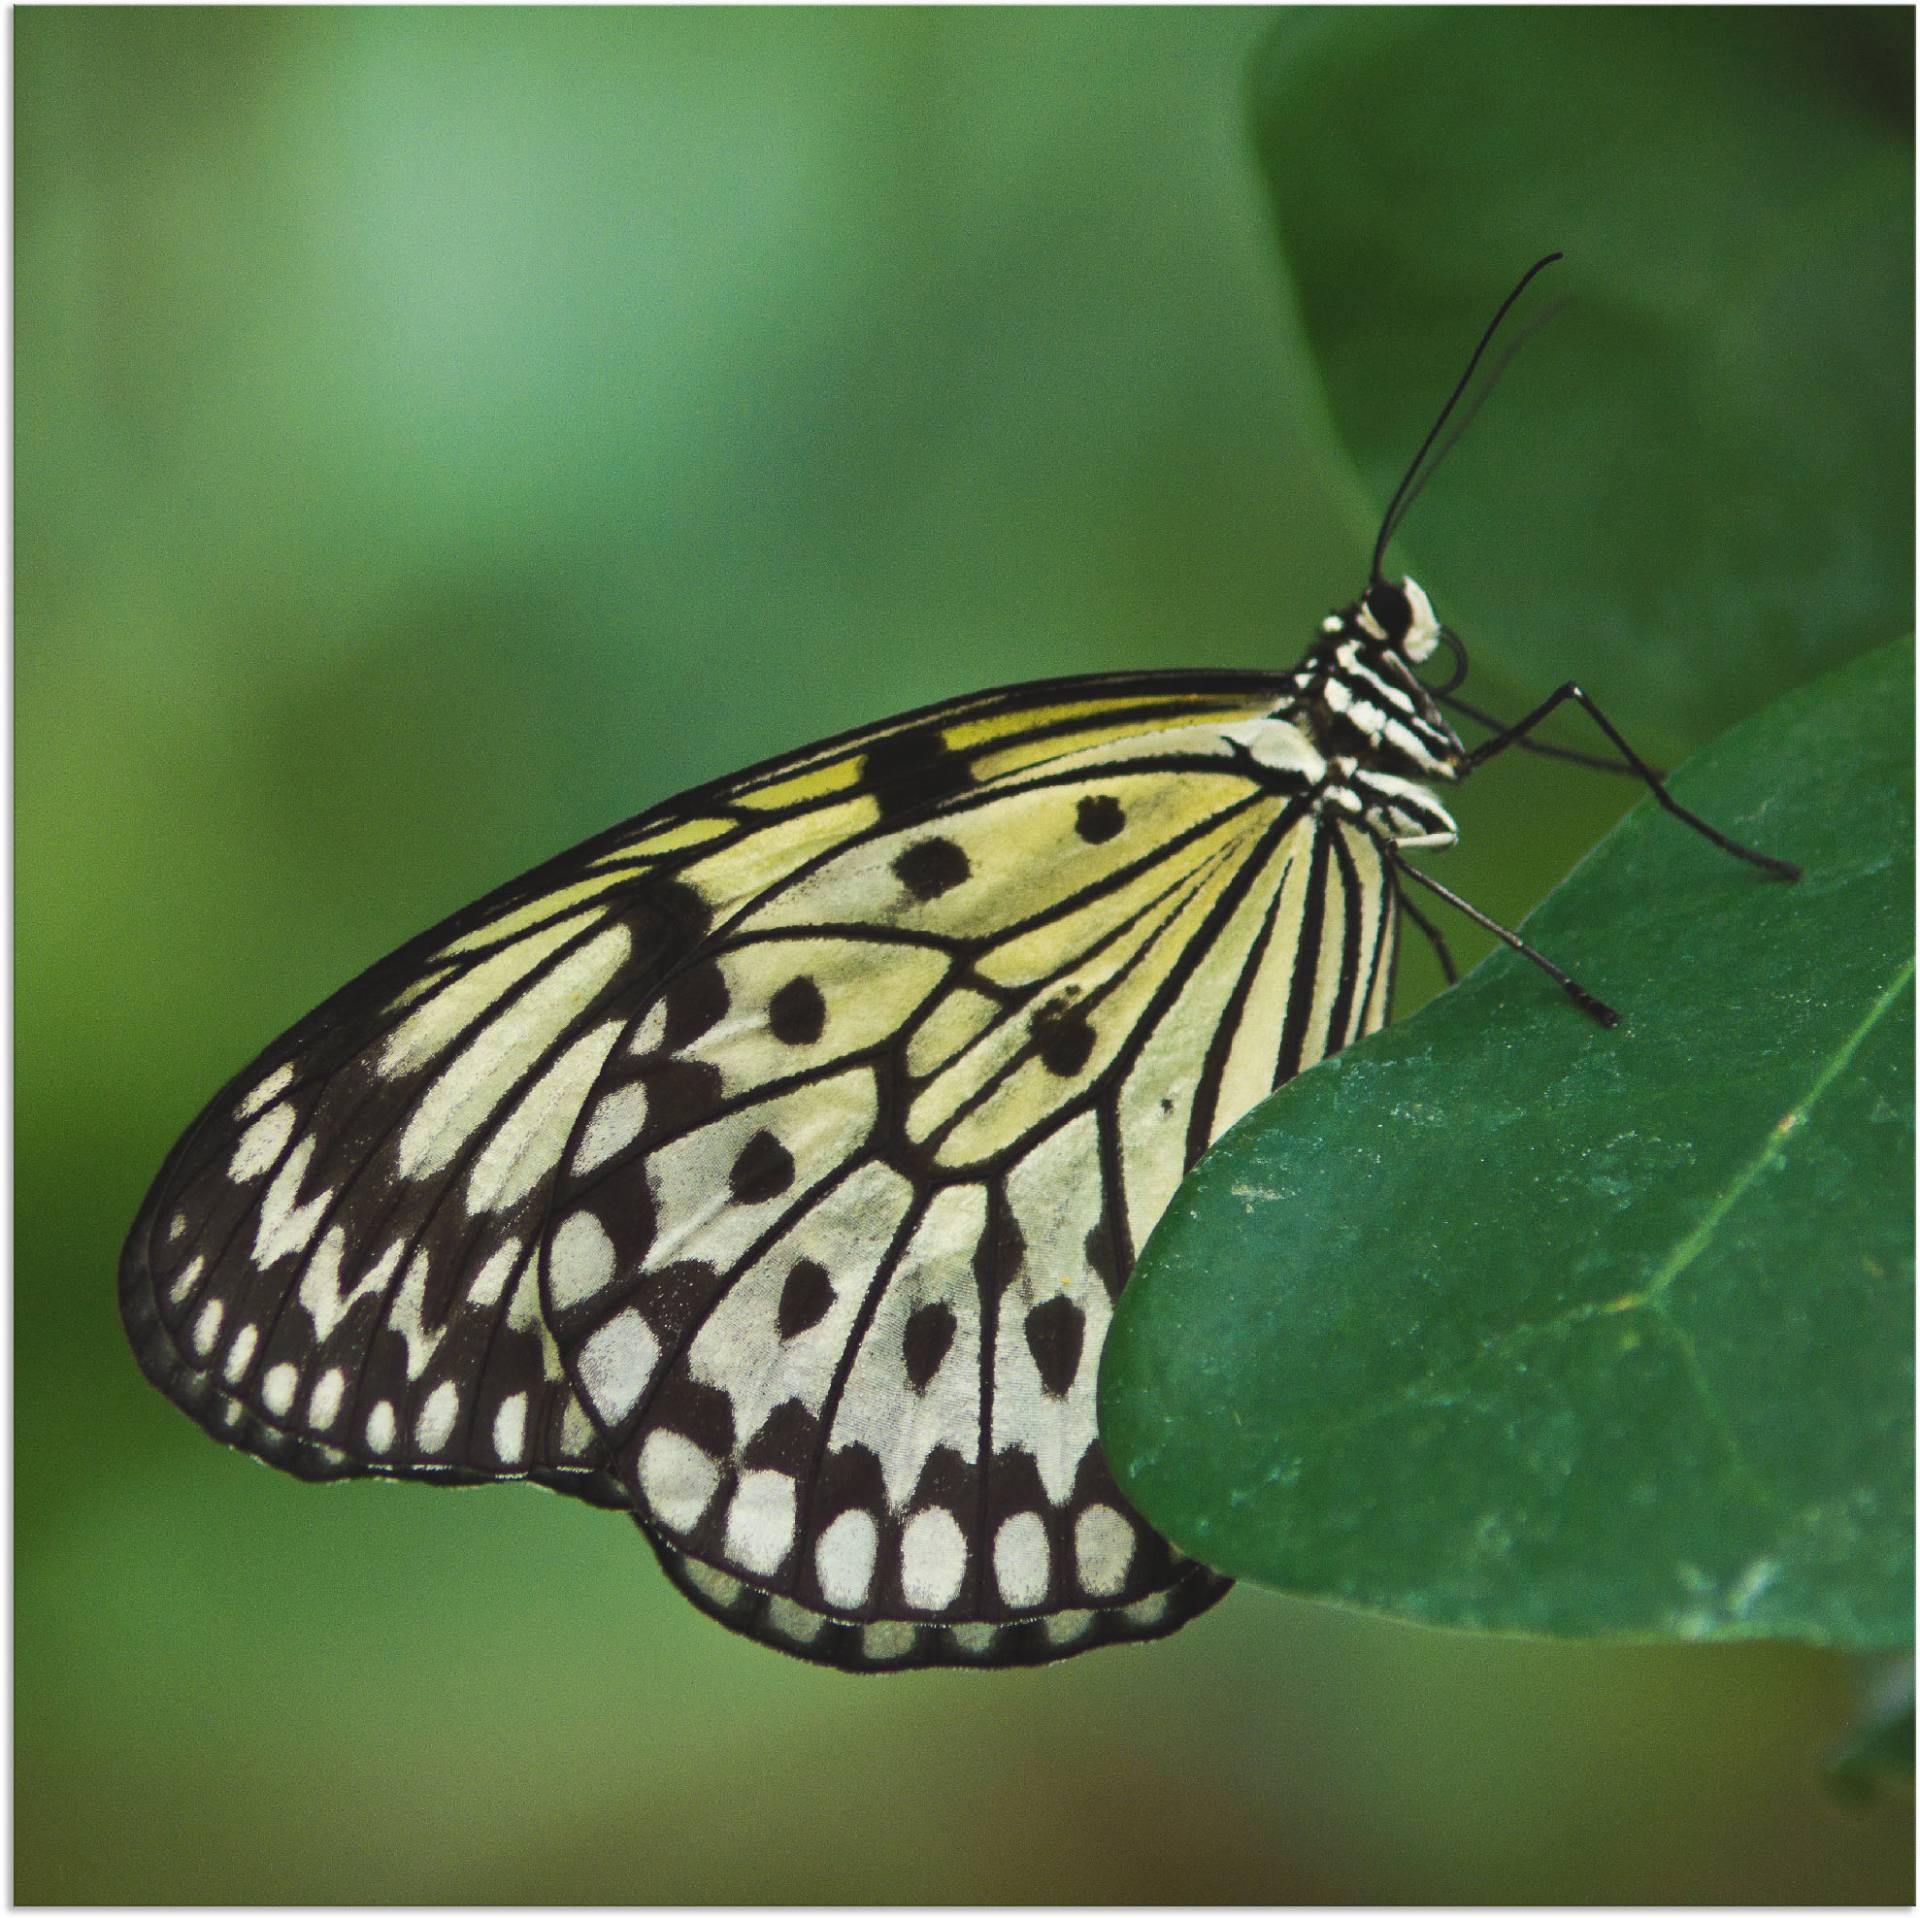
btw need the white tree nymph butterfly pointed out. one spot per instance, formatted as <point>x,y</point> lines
<point>768,1166</point>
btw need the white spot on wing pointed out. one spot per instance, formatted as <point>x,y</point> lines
<point>285,1227</point>
<point>576,1430</point>
<point>510,1428</point>
<point>490,1282</point>
<point>614,1126</point>
<point>721,1587</point>
<point>271,1087</point>
<point>206,1328</point>
<point>1020,1559</point>
<point>760,1520</point>
<point>327,1394</point>
<point>1144,1613</point>
<point>579,1260</point>
<point>843,1558</point>
<point>1063,1628</point>
<point>793,1621</point>
<point>677,1479</point>
<point>886,1643</point>
<point>188,1279</point>
<point>261,1144</point>
<point>652,1030</point>
<point>616,1364</point>
<point>933,1559</point>
<point>434,1426</point>
<point>240,1353</point>
<point>381,1427</point>
<point>278,1388</point>
<point>1103,1543</point>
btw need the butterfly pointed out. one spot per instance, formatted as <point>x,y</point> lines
<point>767,1167</point>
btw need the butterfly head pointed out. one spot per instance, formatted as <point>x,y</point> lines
<point>1362,687</point>
<point>1402,617</point>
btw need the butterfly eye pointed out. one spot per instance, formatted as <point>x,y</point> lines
<point>1391,609</point>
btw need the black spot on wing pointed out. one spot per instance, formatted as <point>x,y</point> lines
<point>797,1015</point>
<point>996,1259</point>
<point>850,1480</point>
<point>945,1479</point>
<point>763,1170</point>
<point>789,1441</point>
<point>1063,1038</point>
<point>1055,1333</point>
<point>704,1413</point>
<point>673,1298</point>
<point>1098,818</point>
<point>805,1298</point>
<point>930,867</point>
<point>925,1343</point>
<point>1101,1255</point>
<point>682,1094</point>
<point>911,769</point>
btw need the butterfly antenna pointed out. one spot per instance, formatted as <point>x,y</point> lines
<point>1399,501</point>
<point>1471,411</point>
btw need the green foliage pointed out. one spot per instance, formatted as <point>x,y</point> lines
<point>1694,488</point>
<point>1503,1321</point>
<point>1879,1744</point>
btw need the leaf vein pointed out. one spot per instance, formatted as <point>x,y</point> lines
<point>1690,1248</point>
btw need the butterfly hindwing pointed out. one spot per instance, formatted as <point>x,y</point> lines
<point>897,1645</point>
<point>841,1312</point>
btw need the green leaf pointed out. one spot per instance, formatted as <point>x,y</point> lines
<point>1698,479</point>
<point>1501,1320</point>
<point>1879,1743</point>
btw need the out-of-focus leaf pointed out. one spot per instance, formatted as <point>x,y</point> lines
<point>1503,1321</point>
<point>1697,483</point>
<point>1879,1744</point>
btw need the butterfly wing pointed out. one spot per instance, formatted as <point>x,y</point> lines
<point>836,1243</point>
<point>893,1645</point>
<point>336,1268</point>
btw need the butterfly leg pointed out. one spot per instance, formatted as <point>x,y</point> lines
<point>1515,735</point>
<point>1441,950</point>
<point>1581,997</point>
<point>1594,762</point>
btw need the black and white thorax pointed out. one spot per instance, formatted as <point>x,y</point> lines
<point>1356,732</point>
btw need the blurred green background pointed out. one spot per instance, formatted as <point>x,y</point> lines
<point>439,434</point>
